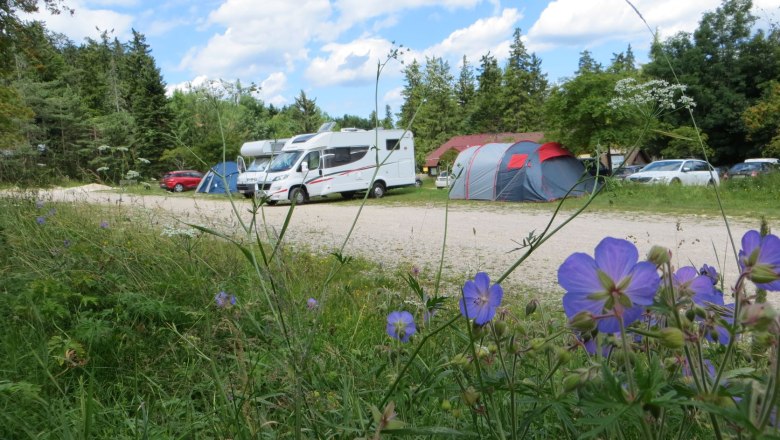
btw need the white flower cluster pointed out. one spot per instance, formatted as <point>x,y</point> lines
<point>103,148</point>
<point>654,97</point>
<point>122,149</point>
<point>144,161</point>
<point>132,175</point>
<point>172,231</point>
<point>102,169</point>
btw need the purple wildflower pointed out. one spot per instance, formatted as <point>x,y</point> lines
<point>224,300</point>
<point>759,258</point>
<point>415,271</point>
<point>480,299</point>
<point>39,204</point>
<point>104,224</point>
<point>611,286</point>
<point>40,220</point>
<point>400,325</point>
<point>709,272</point>
<point>688,282</point>
<point>711,325</point>
<point>312,304</point>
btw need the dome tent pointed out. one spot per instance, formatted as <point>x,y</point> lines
<point>213,183</point>
<point>522,172</point>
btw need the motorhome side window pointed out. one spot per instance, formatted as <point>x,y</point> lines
<point>393,144</point>
<point>313,160</point>
<point>336,157</point>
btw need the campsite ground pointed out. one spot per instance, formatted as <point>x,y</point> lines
<point>476,239</point>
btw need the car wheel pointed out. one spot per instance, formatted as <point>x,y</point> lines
<point>348,195</point>
<point>249,195</point>
<point>377,191</point>
<point>271,202</point>
<point>676,181</point>
<point>417,183</point>
<point>298,196</point>
<point>711,183</point>
<point>178,188</point>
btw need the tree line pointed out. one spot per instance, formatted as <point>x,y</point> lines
<point>99,110</point>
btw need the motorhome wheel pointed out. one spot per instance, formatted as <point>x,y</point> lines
<point>378,190</point>
<point>298,196</point>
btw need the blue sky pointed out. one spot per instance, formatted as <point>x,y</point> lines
<point>330,48</point>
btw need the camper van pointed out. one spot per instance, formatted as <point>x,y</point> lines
<point>261,153</point>
<point>343,162</point>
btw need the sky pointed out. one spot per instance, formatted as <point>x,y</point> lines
<point>331,49</point>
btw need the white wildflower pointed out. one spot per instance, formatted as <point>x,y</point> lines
<point>172,231</point>
<point>103,148</point>
<point>102,169</point>
<point>144,161</point>
<point>122,149</point>
<point>132,175</point>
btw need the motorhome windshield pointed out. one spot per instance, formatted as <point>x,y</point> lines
<point>284,161</point>
<point>259,164</point>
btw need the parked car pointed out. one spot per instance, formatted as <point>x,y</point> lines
<point>749,169</point>
<point>624,172</point>
<point>771,160</point>
<point>677,171</point>
<point>444,180</point>
<point>181,180</point>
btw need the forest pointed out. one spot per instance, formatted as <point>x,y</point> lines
<point>98,110</point>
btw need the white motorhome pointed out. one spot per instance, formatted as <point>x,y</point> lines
<point>261,153</point>
<point>344,162</point>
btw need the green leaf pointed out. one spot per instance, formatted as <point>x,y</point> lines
<point>429,430</point>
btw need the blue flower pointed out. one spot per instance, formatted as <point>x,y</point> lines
<point>480,299</point>
<point>688,282</point>
<point>104,224</point>
<point>400,325</point>
<point>40,220</point>
<point>224,300</point>
<point>312,303</point>
<point>710,272</point>
<point>611,286</point>
<point>759,258</point>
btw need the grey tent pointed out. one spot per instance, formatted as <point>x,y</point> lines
<point>523,171</point>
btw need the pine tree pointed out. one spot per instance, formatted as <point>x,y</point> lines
<point>487,117</point>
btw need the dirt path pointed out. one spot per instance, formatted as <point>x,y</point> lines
<point>480,237</point>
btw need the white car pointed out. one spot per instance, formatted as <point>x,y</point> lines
<point>677,171</point>
<point>445,180</point>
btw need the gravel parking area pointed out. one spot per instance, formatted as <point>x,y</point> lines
<point>480,237</point>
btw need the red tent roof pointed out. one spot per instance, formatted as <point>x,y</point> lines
<point>460,143</point>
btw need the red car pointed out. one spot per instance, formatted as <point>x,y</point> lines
<point>179,181</point>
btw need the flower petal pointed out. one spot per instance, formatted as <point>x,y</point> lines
<point>612,325</point>
<point>482,281</point>
<point>495,294</point>
<point>574,303</point>
<point>578,274</point>
<point>616,257</point>
<point>644,283</point>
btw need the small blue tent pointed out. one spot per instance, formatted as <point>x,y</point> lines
<point>213,181</point>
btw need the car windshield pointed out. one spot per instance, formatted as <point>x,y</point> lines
<point>284,161</point>
<point>741,167</point>
<point>259,164</point>
<point>663,165</point>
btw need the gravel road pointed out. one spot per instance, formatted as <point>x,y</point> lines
<point>479,237</point>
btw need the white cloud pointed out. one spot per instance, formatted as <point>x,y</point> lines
<point>272,87</point>
<point>259,39</point>
<point>110,3</point>
<point>351,63</point>
<point>84,22</point>
<point>394,98</point>
<point>491,34</point>
<point>355,11</point>
<point>186,86</point>
<point>589,23</point>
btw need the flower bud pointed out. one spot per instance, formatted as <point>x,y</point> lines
<point>537,343</point>
<point>690,314</point>
<point>572,382</point>
<point>659,255</point>
<point>470,396</point>
<point>481,351</point>
<point>763,273</point>
<point>563,355</point>
<point>500,328</point>
<point>531,307</point>
<point>446,405</point>
<point>758,316</point>
<point>478,331</point>
<point>492,348</point>
<point>583,322</point>
<point>460,360</point>
<point>672,337</point>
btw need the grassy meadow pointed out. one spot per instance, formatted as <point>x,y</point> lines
<point>125,324</point>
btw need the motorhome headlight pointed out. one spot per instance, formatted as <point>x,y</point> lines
<point>278,178</point>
